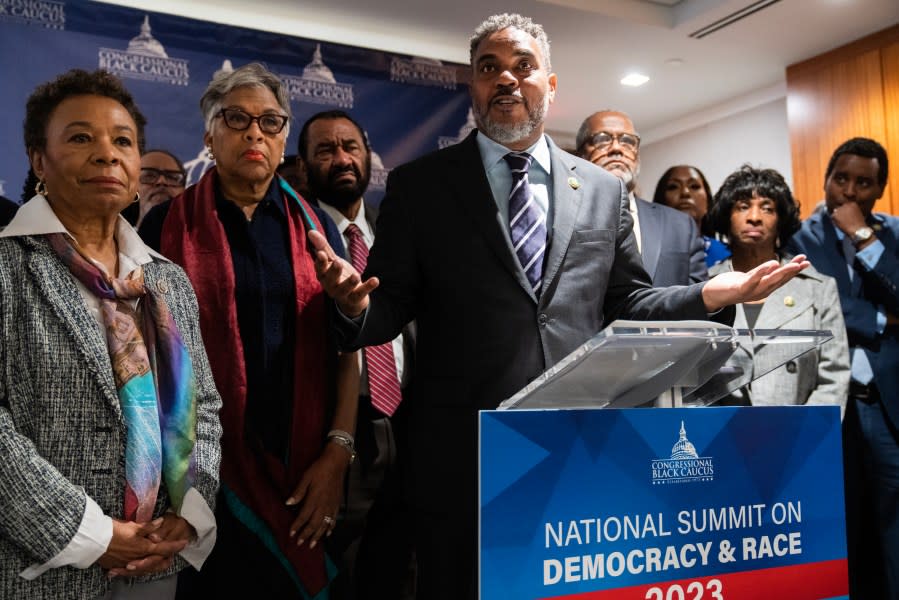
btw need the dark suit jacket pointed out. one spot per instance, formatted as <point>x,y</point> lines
<point>818,240</point>
<point>671,248</point>
<point>444,259</point>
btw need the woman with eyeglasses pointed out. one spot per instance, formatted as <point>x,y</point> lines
<point>161,179</point>
<point>289,399</point>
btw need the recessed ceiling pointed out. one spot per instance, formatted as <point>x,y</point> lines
<point>594,42</point>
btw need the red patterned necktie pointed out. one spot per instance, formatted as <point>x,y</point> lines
<point>383,384</point>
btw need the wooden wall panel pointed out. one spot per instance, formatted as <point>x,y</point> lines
<point>847,92</point>
<point>890,60</point>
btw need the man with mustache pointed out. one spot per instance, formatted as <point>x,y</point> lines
<point>372,542</point>
<point>509,253</point>
<point>667,239</point>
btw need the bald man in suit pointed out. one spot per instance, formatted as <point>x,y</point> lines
<point>667,239</point>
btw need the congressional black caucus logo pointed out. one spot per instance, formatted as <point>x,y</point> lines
<point>317,84</point>
<point>422,71</point>
<point>685,464</point>
<point>145,59</point>
<point>44,13</point>
<point>446,140</point>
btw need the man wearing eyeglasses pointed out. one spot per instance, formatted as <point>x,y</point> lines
<point>667,239</point>
<point>161,178</point>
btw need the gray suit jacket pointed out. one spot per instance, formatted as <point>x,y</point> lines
<point>672,251</point>
<point>62,434</point>
<point>808,301</point>
<point>444,259</point>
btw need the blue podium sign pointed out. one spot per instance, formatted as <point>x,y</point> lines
<point>668,504</point>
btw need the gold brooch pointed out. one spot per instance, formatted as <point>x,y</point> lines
<point>788,301</point>
<point>574,183</point>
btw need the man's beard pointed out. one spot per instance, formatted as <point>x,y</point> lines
<point>627,176</point>
<point>339,197</point>
<point>509,133</point>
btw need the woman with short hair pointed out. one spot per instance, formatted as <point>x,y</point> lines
<point>241,235</point>
<point>754,210</point>
<point>109,432</point>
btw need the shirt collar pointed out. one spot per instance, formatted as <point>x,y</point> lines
<point>342,222</point>
<point>36,217</point>
<point>493,152</point>
<point>272,194</point>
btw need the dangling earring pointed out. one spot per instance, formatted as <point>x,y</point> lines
<point>282,159</point>
<point>136,197</point>
<point>40,188</point>
<point>209,153</point>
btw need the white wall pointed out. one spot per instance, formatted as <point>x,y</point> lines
<point>718,146</point>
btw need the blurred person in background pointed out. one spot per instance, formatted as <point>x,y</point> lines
<point>686,189</point>
<point>162,178</point>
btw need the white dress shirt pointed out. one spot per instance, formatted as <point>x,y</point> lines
<point>368,237</point>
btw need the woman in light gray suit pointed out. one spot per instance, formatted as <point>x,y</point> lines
<point>109,430</point>
<point>755,211</point>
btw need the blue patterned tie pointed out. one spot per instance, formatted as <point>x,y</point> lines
<point>527,221</point>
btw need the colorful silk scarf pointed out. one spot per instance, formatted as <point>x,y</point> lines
<point>255,483</point>
<point>154,378</point>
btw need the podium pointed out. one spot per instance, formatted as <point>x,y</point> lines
<point>729,502</point>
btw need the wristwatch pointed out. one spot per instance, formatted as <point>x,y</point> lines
<point>862,235</point>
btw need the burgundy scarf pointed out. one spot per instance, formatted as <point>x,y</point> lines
<point>193,237</point>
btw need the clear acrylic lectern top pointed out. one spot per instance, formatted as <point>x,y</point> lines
<point>631,363</point>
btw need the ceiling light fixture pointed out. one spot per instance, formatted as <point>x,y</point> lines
<point>634,79</point>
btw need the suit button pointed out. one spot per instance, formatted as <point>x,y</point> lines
<point>542,319</point>
<point>791,367</point>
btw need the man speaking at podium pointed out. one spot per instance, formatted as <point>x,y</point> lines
<point>509,253</point>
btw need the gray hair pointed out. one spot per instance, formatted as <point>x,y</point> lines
<point>499,22</point>
<point>251,75</point>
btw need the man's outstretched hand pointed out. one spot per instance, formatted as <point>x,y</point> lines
<point>735,287</point>
<point>339,279</point>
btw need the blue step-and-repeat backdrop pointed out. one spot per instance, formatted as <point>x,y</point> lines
<point>408,105</point>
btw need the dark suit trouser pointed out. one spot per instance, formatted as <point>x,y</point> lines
<point>372,542</point>
<point>442,541</point>
<point>871,462</point>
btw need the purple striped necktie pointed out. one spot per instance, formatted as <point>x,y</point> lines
<point>383,383</point>
<point>527,220</point>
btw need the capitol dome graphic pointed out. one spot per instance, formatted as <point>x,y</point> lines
<point>145,43</point>
<point>683,449</point>
<point>318,70</point>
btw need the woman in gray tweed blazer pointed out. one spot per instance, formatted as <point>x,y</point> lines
<point>109,430</point>
<point>755,211</point>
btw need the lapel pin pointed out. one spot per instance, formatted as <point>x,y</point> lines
<point>574,183</point>
<point>877,226</point>
<point>788,301</point>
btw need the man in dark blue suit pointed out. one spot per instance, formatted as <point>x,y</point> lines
<point>860,249</point>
